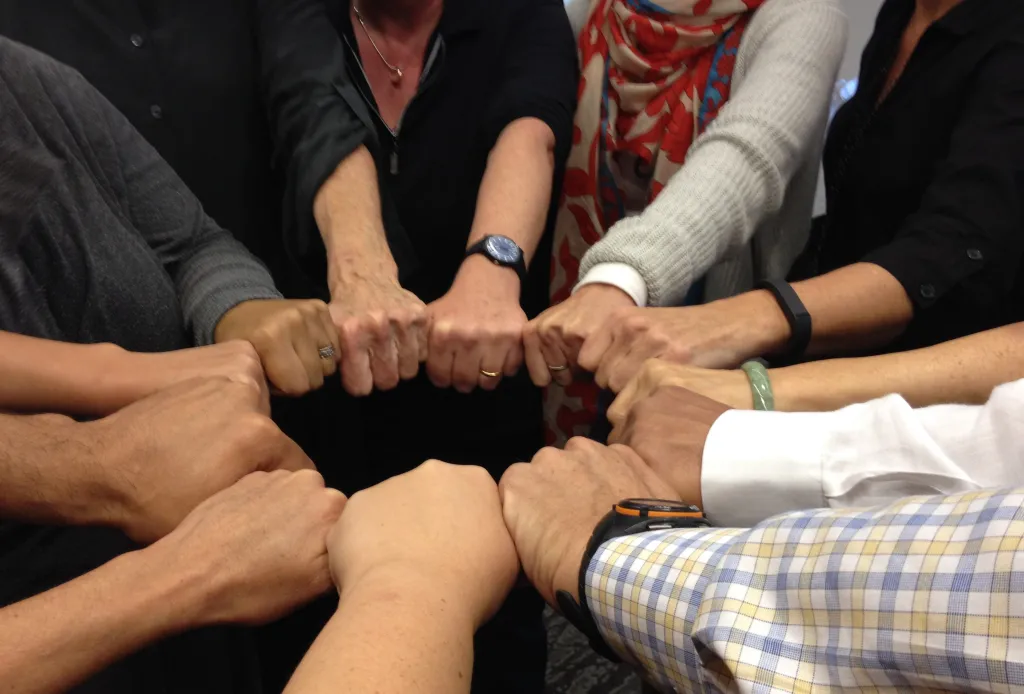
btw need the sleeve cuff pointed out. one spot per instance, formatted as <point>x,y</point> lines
<point>759,464</point>
<point>620,275</point>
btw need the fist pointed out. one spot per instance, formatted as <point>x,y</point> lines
<point>440,525</point>
<point>476,329</point>
<point>668,430</point>
<point>554,339</point>
<point>259,546</point>
<point>169,452</point>
<point>552,505</point>
<point>296,340</point>
<point>383,331</point>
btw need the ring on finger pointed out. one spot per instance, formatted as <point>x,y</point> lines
<point>326,352</point>
<point>556,369</point>
<point>490,374</point>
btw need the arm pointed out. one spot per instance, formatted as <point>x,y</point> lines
<point>778,606</point>
<point>57,639</point>
<point>737,173</point>
<point>862,455</point>
<point>421,561</point>
<point>965,235</point>
<point>393,637</point>
<point>248,555</point>
<point>212,272</point>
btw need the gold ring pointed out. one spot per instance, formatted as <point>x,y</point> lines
<point>490,374</point>
<point>556,369</point>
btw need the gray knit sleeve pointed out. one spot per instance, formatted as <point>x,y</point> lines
<point>212,271</point>
<point>737,173</point>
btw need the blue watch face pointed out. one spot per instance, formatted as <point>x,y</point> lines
<point>503,249</point>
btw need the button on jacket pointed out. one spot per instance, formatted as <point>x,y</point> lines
<point>929,182</point>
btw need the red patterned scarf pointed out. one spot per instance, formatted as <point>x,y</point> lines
<point>653,78</point>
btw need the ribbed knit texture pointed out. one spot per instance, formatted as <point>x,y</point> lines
<point>740,209</point>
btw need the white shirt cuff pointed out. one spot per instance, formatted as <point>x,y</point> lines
<point>760,464</point>
<point>620,275</point>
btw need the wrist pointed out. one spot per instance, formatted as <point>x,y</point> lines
<point>605,294</point>
<point>479,273</point>
<point>117,380</point>
<point>86,462</point>
<point>762,324</point>
<point>356,268</point>
<point>178,595</point>
<point>416,588</point>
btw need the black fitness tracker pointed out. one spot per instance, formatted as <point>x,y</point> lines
<point>501,250</point>
<point>628,517</point>
<point>796,314</point>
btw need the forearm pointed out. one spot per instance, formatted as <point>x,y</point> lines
<point>855,308</point>
<point>963,371</point>
<point>347,209</point>
<point>391,637</point>
<point>49,473</point>
<point>49,376</point>
<point>515,194</point>
<point>55,640</point>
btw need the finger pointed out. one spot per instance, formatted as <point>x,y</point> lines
<point>534,357</point>
<point>513,359</point>
<point>384,359</point>
<point>287,372</point>
<point>466,368</point>
<point>356,374</point>
<point>595,346</point>
<point>307,346</point>
<point>555,360</point>
<point>493,362</point>
<point>441,358</point>
<point>409,350</point>
<point>625,369</point>
<point>609,358</point>
<point>620,406</point>
<point>326,335</point>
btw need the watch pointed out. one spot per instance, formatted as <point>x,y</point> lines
<point>797,315</point>
<point>501,250</point>
<point>628,517</point>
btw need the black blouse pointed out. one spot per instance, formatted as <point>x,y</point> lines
<point>929,183</point>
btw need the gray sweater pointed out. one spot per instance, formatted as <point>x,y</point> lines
<point>740,209</point>
<point>100,241</point>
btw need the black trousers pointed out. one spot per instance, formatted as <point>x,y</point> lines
<point>359,443</point>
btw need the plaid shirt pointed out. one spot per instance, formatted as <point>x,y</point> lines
<point>925,594</point>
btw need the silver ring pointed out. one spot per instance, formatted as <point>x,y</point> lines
<point>556,369</point>
<point>490,374</point>
<point>327,352</point>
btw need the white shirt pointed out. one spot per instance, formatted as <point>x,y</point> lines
<point>759,464</point>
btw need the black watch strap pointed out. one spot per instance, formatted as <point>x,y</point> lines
<point>626,518</point>
<point>480,247</point>
<point>796,314</point>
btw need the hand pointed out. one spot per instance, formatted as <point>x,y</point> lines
<point>165,454</point>
<point>730,387</point>
<point>555,337</point>
<point>137,375</point>
<point>553,504</point>
<point>288,336</point>
<point>383,331</point>
<point>257,549</point>
<point>719,335</point>
<point>477,326</point>
<point>668,430</point>
<point>440,526</point>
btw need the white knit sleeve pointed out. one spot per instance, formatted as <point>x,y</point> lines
<point>736,174</point>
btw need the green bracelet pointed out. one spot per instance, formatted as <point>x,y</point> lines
<point>760,386</point>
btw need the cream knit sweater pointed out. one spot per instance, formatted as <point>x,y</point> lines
<point>739,211</point>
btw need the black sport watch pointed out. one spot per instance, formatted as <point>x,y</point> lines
<point>501,250</point>
<point>628,517</point>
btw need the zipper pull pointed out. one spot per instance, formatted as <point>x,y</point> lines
<point>394,162</point>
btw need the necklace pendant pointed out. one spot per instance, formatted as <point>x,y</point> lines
<point>396,75</point>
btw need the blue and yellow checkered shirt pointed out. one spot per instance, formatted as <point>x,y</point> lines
<point>926,594</point>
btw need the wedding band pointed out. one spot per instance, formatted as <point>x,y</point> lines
<point>490,374</point>
<point>556,369</point>
<point>327,352</point>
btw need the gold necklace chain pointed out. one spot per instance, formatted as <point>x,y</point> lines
<point>396,71</point>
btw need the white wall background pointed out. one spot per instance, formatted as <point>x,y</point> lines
<point>862,15</point>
